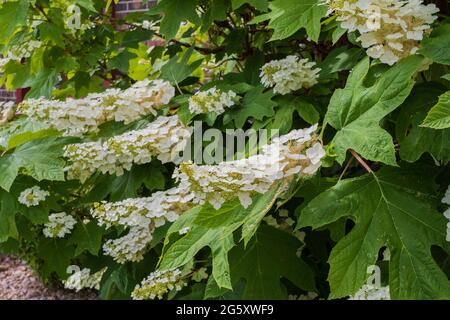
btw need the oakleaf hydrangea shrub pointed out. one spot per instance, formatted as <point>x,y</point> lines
<point>171,153</point>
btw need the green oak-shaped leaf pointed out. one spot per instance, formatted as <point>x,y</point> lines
<point>175,12</point>
<point>356,110</point>
<point>218,239</point>
<point>269,256</point>
<point>8,209</point>
<point>214,229</point>
<point>56,255</point>
<point>415,140</point>
<point>12,15</point>
<point>393,208</point>
<point>287,17</point>
<point>178,68</point>
<point>439,115</point>
<point>87,237</point>
<point>40,159</point>
<point>256,104</point>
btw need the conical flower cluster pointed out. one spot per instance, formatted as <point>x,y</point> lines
<point>389,29</point>
<point>83,279</point>
<point>157,284</point>
<point>142,216</point>
<point>298,152</point>
<point>163,138</point>
<point>289,74</point>
<point>80,116</point>
<point>211,100</point>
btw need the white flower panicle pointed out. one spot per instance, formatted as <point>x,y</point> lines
<point>389,29</point>
<point>211,100</point>
<point>7,112</point>
<point>152,211</point>
<point>289,74</point>
<point>371,292</point>
<point>80,116</point>
<point>23,50</point>
<point>142,216</point>
<point>59,225</point>
<point>159,283</point>
<point>130,247</point>
<point>33,196</point>
<point>298,152</point>
<point>446,200</point>
<point>83,279</point>
<point>163,138</point>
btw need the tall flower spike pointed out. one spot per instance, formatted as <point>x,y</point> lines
<point>158,284</point>
<point>142,216</point>
<point>289,74</point>
<point>79,116</point>
<point>298,152</point>
<point>389,29</point>
<point>163,138</point>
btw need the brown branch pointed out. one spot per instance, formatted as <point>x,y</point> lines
<point>200,49</point>
<point>361,161</point>
<point>346,168</point>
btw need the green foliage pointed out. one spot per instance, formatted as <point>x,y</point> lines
<point>273,254</point>
<point>385,129</point>
<point>436,46</point>
<point>439,115</point>
<point>390,208</point>
<point>287,17</point>
<point>12,15</point>
<point>359,108</point>
<point>414,139</point>
<point>40,159</point>
<point>175,12</point>
<point>256,104</point>
<point>87,237</point>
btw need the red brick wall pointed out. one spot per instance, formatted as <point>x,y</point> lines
<point>6,95</point>
<point>127,6</point>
